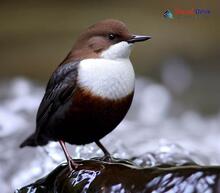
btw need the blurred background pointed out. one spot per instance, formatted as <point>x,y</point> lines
<point>35,36</point>
<point>178,76</point>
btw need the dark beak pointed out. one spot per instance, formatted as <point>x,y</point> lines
<point>138,38</point>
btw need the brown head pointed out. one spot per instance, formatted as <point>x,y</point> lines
<point>99,37</point>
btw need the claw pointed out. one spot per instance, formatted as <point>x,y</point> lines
<point>72,165</point>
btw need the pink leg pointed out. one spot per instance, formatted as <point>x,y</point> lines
<point>72,165</point>
<point>105,151</point>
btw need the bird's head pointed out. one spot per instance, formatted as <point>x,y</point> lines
<point>108,39</point>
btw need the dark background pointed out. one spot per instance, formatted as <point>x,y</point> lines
<point>35,36</point>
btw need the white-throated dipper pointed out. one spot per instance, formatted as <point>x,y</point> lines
<point>91,91</point>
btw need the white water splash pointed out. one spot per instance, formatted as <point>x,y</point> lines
<point>156,130</point>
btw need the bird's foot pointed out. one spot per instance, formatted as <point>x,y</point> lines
<point>72,165</point>
<point>108,158</point>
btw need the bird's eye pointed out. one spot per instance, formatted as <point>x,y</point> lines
<point>111,36</point>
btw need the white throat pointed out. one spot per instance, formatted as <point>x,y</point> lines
<point>111,76</point>
<point>116,51</point>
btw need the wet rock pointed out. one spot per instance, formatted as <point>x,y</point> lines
<point>122,176</point>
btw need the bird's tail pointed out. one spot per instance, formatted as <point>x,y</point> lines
<point>33,141</point>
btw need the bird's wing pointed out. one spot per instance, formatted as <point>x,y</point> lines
<point>60,88</point>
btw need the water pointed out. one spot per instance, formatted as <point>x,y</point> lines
<point>158,129</point>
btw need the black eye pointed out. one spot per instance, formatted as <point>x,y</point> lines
<point>111,36</point>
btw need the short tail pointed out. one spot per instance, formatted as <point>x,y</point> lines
<point>33,141</point>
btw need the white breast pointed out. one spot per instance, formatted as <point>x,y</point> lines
<point>108,78</point>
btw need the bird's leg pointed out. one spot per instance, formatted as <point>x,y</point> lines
<point>72,165</point>
<point>107,155</point>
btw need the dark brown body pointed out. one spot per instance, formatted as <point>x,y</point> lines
<point>73,114</point>
<point>88,118</point>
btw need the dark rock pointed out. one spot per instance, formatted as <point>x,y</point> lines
<point>121,176</point>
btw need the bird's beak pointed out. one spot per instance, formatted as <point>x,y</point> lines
<point>138,38</point>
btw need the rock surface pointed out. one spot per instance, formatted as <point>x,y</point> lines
<point>122,176</point>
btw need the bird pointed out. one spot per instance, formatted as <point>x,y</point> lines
<point>91,90</point>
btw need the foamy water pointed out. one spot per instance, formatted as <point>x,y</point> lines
<point>158,129</point>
